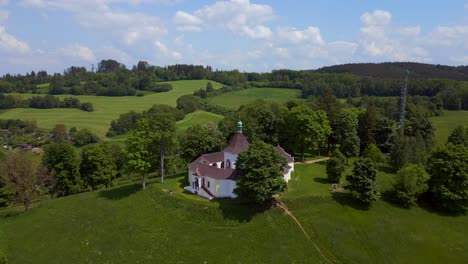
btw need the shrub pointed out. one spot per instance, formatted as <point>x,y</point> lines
<point>87,106</point>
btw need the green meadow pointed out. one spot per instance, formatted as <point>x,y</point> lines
<point>235,99</point>
<point>447,122</point>
<point>127,225</point>
<point>198,117</point>
<point>106,108</point>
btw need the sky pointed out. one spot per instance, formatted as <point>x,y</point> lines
<point>248,35</point>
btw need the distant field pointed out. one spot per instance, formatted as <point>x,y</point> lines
<point>198,117</point>
<point>447,122</point>
<point>105,108</point>
<point>235,99</point>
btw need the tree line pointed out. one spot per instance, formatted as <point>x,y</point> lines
<point>112,78</point>
<point>43,102</point>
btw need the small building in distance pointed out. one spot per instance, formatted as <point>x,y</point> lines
<point>214,175</point>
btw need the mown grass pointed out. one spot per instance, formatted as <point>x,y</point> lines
<point>127,225</point>
<point>198,117</point>
<point>106,108</point>
<point>235,99</point>
<point>447,122</point>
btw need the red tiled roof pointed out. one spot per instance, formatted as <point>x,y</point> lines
<point>211,157</point>
<point>238,144</point>
<point>286,155</point>
<point>201,169</point>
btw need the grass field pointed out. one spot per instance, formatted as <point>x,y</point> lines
<point>126,225</point>
<point>106,108</point>
<point>447,122</point>
<point>198,117</point>
<point>235,99</point>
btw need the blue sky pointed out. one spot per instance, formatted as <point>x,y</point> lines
<point>248,35</point>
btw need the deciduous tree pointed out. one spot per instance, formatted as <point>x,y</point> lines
<point>411,183</point>
<point>97,166</point>
<point>336,166</point>
<point>261,176</point>
<point>199,139</point>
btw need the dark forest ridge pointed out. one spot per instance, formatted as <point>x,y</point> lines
<point>396,70</point>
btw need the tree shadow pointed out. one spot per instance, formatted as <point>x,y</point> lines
<point>444,210</point>
<point>240,211</point>
<point>386,168</point>
<point>347,199</point>
<point>120,192</point>
<point>322,180</point>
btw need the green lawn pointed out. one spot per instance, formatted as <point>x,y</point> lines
<point>235,99</point>
<point>106,108</point>
<point>198,117</point>
<point>126,225</point>
<point>447,122</point>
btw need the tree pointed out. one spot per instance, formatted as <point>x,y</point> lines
<point>260,167</point>
<point>459,136</point>
<point>304,127</point>
<point>209,87</point>
<point>367,126</point>
<point>199,139</point>
<point>61,160</point>
<point>84,137</point>
<point>56,85</point>
<point>411,183</point>
<point>448,167</point>
<point>374,154</point>
<point>97,166</point>
<point>152,138</point>
<point>384,134</point>
<point>139,153</point>
<point>59,133</point>
<point>362,182</point>
<point>24,175</point>
<point>347,132</point>
<point>336,166</point>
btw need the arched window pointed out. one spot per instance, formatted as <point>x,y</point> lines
<point>228,164</point>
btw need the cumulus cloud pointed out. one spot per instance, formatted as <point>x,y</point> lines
<point>376,18</point>
<point>310,35</point>
<point>173,55</point>
<point>239,16</point>
<point>78,51</point>
<point>9,43</point>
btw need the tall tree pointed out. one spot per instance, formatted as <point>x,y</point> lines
<point>347,132</point>
<point>362,181</point>
<point>24,174</point>
<point>97,166</point>
<point>61,160</point>
<point>199,139</point>
<point>304,128</point>
<point>140,156</point>
<point>328,103</point>
<point>367,126</point>
<point>448,167</point>
<point>336,166</point>
<point>260,167</point>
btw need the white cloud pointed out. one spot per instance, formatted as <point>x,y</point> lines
<point>238,16</point>
<point>187,22</point>
<point>78,51</point>
<point>179,41</point>
<point>410,31</point>
<point>376,18</point>
<point>449,36</point>
<point>310,35</point>
<point>9,43</point>
<point>106,52</point>
<point>173,55</point>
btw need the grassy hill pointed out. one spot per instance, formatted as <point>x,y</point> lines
<point>106,108</point>
<point>447,122</point>
<point>235,99</point>
<point>198,117</point>
<point>126,225</point>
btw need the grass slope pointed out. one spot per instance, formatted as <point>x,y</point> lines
<point>446,123</point>
<point>106,108</point>
<point>198,117</point>
<point>235,99</point>
<point>126,225</point>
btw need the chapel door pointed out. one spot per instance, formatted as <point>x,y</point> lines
<point>203,181</point>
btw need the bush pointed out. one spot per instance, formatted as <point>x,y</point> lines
<point>3,258</point>
<point>411,183</point>
<point>336,166</point>
<point>87,106</point>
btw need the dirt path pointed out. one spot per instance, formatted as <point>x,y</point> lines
<point>283,206</point>
<point>312,161</point>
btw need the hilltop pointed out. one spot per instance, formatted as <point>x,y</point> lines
<point>395,70</point>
